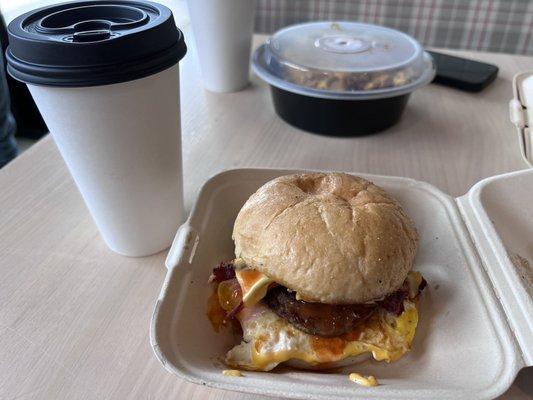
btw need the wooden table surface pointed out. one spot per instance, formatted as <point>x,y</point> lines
<point>74,317</point>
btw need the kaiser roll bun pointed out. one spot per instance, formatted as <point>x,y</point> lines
<point>331,237</point>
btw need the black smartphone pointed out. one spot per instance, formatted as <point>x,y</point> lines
<point>461,73</point>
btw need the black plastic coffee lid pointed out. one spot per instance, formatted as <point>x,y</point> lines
<point>89,43</point>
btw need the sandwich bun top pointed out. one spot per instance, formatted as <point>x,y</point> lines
<point>331,237</point>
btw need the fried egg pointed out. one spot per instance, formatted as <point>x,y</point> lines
<point>269,340</point>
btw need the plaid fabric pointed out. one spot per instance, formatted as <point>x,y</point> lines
<point>485,25</point>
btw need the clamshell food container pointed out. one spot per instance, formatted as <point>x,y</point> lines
<point>342,78</point>
<point>476,327</point>
<point>521,112</point>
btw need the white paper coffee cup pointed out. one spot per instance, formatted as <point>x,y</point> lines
<point>116,122</point>
<point>122,145</point>
<point>223,33</point>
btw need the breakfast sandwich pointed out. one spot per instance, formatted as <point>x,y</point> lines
<point>322,275</point>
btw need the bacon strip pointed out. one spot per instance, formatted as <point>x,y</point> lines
<point>393,303</point>
<point>223,272</point>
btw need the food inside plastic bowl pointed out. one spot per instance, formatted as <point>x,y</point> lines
<point>342,78</point>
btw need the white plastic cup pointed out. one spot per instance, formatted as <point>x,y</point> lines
<point>122,145</point>
<point>223,33</point>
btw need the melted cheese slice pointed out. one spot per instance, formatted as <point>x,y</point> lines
<point>254,285</point>
<point>269,340</point>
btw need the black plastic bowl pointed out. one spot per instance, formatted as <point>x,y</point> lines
<point>338,117</point>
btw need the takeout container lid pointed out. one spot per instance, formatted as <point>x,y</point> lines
<point>343,60</point>
<point>475,331</point>
<point>521,113</point>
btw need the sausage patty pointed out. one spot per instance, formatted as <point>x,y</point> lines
<point>316,319</point>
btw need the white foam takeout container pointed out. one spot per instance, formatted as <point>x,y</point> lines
<point>476,324</point>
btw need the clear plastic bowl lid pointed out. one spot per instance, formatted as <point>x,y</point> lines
<point>346,60</point>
